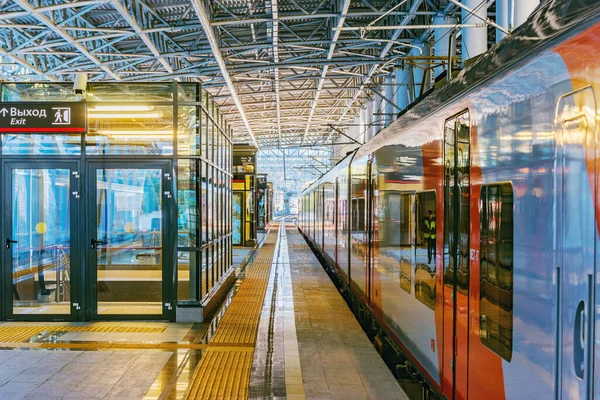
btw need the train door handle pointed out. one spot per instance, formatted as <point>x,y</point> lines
<point>9,242</point>
<point>579,338</point>
<point>94,243</point>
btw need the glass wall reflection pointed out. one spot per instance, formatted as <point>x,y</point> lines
<point>41,236</point>
<point>129,241</point>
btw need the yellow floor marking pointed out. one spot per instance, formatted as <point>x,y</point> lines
<point>17,334</point>
<point>224,370</point>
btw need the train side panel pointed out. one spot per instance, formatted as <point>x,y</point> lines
<point>532,274</point>
<point>358,229</point>
<point>406,275</point>
<point>342,222</point>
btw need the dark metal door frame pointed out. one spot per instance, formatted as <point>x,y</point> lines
<point>6,279</point>
<point>169,238</point>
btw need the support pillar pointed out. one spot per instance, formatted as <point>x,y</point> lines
<point>502,11</point>
<point>523,9</point>
<point>364,123</point>
<point>401,88</point>
<point>377,106</point>
<point>442,37</point>
<point>390,110</point>
<point>474,40</point>
<point>418,72</point>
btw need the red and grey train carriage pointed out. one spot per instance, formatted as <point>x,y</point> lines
<point>506,156</point>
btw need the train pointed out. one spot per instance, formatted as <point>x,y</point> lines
<point>466,232</point>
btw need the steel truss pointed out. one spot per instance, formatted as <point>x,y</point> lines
<point>282,71</point>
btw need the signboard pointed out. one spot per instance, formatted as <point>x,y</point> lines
<point>246,160</point>
<point>42,117</point>
<point>243,164</point>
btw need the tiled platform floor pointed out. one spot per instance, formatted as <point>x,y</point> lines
<point>49,374</point>
<point>309,346</point>
<point>337,359</point>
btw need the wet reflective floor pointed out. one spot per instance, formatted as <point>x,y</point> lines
<point>283,332</point>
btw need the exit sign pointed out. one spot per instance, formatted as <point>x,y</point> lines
<point>42,117</point>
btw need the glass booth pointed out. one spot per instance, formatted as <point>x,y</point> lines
<point>130,219</point>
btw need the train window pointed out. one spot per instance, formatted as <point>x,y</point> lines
<point>425,244</point>
<point>358,214</point>
<point>496,278</point>
<point>406,240</point>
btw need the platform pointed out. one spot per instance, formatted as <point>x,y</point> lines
<point>285,332</point>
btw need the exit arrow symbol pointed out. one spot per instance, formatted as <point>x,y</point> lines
<point>4,111</point>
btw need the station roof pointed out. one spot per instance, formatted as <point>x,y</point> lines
<point>280,70</point>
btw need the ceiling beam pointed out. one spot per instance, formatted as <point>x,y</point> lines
<point>275,39</point>
<point>143,35</point>
<point>298,17</point>
<point>82,49</point>
<point>22,62</point>
<point>334,39</point>
<point>405,21</point>
<point>212,41</point>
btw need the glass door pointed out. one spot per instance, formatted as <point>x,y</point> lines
<point>40,250</point>
<point>129,255</point>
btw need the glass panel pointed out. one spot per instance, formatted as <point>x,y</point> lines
<point>41,259</point>
<point>449,204</point>
<point>132,92</point>
<point>496,280</point>
<point>38,92</point>
<point>204,204</point>
<point>41,144</point>
<point>219,205</point>
<point>129,129</point>
<point>129,231</point>
<point>188,275</point>
<point>188,92</point>
<point>203,133</point>
<point>425,249</point>
<point>406,239</point>
<point>462,149</point>
<point>209,140</point>
<point>209,269</point>
<point>204,272</point>
<point>237,217</point>
<point>188,131</point>
<point>188,217</point>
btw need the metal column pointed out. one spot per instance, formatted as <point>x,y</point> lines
<point>502,11</point>
<point>441,36</point>
<point>474,39</point>
<point>390,110</point>
<point>418,72</point>
<point>523,9</point>
<point>402,86</point>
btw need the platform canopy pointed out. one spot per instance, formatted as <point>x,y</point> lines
<point>282,71</point>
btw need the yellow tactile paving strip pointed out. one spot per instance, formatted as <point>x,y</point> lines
<point>240,322</point>
<point>17,334</point>
<point>223,375</point>
<point>224,371</point>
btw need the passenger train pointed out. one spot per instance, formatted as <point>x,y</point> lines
<point>501,298</point>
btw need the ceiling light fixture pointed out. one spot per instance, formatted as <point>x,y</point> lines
<point>148,132</point>
<point>121,108</point>
<point>126,116</point>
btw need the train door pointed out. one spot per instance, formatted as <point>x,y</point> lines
<point>456,255</point>
<point>336,215</point>
<point>40,239</point>
<point>576,238</point>
<point>368,231</point>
